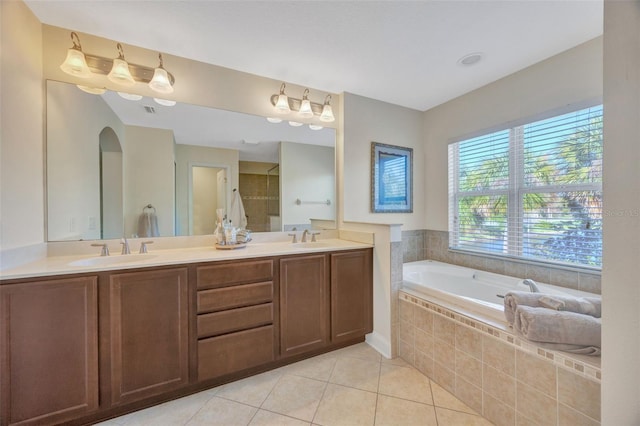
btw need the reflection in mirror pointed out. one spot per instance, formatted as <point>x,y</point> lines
<point>109,158</point>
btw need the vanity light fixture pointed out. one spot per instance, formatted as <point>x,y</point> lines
<point>76,64</point>
<point>130,96</point>
<point>307,109</point>
<point>305,106</point>
<point>92,90</point>
<point>160,81</point>
<point>282,101</point>
<point>118,70</point>
<point>327,111</point>
<point>274,120</point>
<point>164,102</point>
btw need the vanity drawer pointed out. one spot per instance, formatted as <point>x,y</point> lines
<point>225,274</point>
<point>234,297</point>
<point>234,319</point>
<point>233,352</point>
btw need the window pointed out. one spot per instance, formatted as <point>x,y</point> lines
<point>532,191</point>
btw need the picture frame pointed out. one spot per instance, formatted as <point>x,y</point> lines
<point>391,178</point>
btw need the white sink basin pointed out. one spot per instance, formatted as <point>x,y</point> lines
<point>112,260</point>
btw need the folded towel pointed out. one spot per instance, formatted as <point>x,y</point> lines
<point>148,225</point>
<point>557,327</point>
<point>582,305</point>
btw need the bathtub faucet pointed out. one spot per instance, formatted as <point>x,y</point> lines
<point>532,285</point>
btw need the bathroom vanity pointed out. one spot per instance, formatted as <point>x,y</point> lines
<point>81,347</point>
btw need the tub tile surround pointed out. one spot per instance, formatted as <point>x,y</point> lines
<point>426,244</point>
<point>507,379</point>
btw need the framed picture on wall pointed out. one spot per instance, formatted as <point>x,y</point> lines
<point>391,179</point>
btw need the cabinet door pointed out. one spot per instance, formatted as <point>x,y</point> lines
<point>49,344</point>
<point>149,333</point>
<point>304,304</point>
<point>351,295</point>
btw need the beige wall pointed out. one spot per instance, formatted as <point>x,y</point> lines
<point>21,128</point>
<point>149,177</point>
<point>621,263</point>
<point>368,120</point>
<point>569,78</point>
<point>187,155</point>
<point>74,122</point>
<point>307,172</point>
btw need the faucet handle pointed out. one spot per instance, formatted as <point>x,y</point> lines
<point>125,246</point>
<point>313,236</point>
<point>105,249</point>
<point>143,246</point>
<point>295,238</point>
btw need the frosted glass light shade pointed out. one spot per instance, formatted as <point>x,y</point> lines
<point>315,127</point>
<point>92,90</point>
<point>120,73</point>
<point>274,120</point>
<point>295,124</point>
<point>160,81</point>
<point>75,64</point>
<point>327,114</point>
<point>305,109</point>
<point>165,102</point>
<point>130,96</point>
<point>282,106</point>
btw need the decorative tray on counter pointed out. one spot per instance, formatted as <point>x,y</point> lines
<point>230,246</point>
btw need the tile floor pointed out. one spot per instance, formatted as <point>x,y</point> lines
<point>350,386</point>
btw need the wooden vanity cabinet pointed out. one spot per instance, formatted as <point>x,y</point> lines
<point>304,304</point>
<point>351,295</point>
<point>148,343</point>
<point>235,317</point>
<point>49,345</point>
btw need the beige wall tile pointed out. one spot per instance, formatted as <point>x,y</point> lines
<point>569,417</point>
<point>469,341</point>
<point>444,354</point>
<point>444,329</point>
<point>564,278</point>
<point>590,282</point>
<point>499,355</point>
<point>538,273</point>
<point>579,393</point>
<point>535,405</point>
<point>424,320</point>
<point>424,342</point>
<point>407,332</point>
<point>494,265</point>
<point>444,377</point>
<point>515,269</point>
<point>536,372</point>
<point>499,385</point>
<point>497,412</point>
<point>469,394</point>
<point>424,363</point>
<point>406,351</point>
<point>468,368</point>
<point>445,399</point>
<point>406,311</point>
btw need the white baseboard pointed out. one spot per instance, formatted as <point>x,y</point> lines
<point>379,343</point>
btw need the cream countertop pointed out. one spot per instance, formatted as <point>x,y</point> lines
<point>73,264</point>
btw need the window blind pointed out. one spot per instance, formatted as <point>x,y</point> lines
<point>532,191</point>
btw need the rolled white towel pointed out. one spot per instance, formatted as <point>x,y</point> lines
<point>558,327</point>
<point>582,305</point>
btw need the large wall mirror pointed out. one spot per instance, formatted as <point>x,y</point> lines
<point>118,167</point>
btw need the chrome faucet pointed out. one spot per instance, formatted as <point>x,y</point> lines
<point>313,236</point>
<point>125,246</point>
<point>304,236</point>
<point>532,285</point>
<point>295,239</point>
<point>143,247</point>
<point>105,249</point>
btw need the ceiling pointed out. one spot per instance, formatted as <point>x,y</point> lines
<point>402,52</point>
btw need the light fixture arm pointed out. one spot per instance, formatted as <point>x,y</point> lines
<point>76,41</point>
<point>120,51</point>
